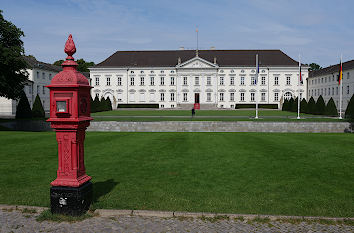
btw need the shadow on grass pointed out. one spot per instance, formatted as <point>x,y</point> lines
<point>102,188</point>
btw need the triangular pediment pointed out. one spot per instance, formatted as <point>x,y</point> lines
<point>197,62</point>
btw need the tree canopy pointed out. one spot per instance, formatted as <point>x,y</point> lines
<point>13,74</point>
<point>314,66</point>
<point>82,64</point>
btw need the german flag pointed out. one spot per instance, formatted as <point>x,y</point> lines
<point>340,76</point>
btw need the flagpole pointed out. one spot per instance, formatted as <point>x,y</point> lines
<point>298,90</point>
<point>256,81</point>
<point>340,87</point>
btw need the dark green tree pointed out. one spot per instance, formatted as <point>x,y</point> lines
<point>96,103</point>
<point>303,106</point>
<point>291,103</point>
<point>58,63</point>
<point>294,106</point>
<point>349,112</point>
<point>320,106</point>
<point>13,75</point>
<point>83,65</point>
<point>108,104</point>
<point>37,109</point>
<point>314,66</point>
<point>331,109</point>
<point>285,105</point>
<point>311,106</point>
<point>23,109</point>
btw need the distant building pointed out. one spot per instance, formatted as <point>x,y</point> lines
<point>40,75</point>
<point>213,78</point>
<point>325,82</point>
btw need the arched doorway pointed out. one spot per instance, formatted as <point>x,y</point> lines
<point>288,95</point>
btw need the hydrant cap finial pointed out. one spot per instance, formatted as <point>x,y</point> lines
<point>70,48</point>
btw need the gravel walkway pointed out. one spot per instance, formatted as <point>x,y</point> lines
<point>16,221</point>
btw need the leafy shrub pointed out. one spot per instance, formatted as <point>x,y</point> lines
<point>23,109</point>
<point>37,109</point>
<point>285,106</point>
<point>294,105</point>
<point>331,109</point>
<point>291,103</point>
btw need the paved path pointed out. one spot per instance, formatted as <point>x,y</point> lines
<point>16,221</point>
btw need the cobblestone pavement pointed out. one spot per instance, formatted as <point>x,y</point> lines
<point>16,221</point>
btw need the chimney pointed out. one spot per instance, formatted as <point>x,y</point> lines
<point>214,60</point>
<point>179,60</point>
<point>181,48</point>
<point>212,48</point>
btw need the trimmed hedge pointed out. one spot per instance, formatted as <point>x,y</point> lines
<point>349,112</point>
<point>320,106</point>
<point>294,105</point>
<point>37,109</point>
<point>285,106</point>
<point>331,109</point>
<point>138,106</point>
<point>23,109</point>
<point>267,106</point>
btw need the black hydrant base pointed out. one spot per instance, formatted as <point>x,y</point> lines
<point>72,201</point>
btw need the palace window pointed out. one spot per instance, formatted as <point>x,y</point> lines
<point>119,81</point>
<point>208,96</point>
<point>288,81</point>
<point>142,81</point>
<point>152,81</point>
<point>253,80</point>
<point>221,96</point>
<point>325,92</point>
<point>172,81</point>
<point>263,80</point>
<point>263,96</point>
<point>232,96</point>
<point>276,96</point>
<point>108,81</point>
<point>287,95</point>
<point>347,90</point>
<point>97,81</point>
<point>221,81</point>
<point>276,81</point>
<point>196,81</point>
<point>50,76</point>
<point>43,90</point>
<point>332,90</point>
<point>172,96</point>
<point>43,75</point>
<point>162,97</point>
<point>185,81</point>
<point>162,83</point>
<point>37,75</point>
<point>185,97</point>
<point>232,81</point>
<point>242,81</point>
<point>242,96</point>
<point>208,81</point>
<point>252,96</point>
<point>131,81</point>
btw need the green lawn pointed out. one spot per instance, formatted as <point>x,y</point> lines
<point>249,173</point>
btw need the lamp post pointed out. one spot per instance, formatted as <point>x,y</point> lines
<point>71,191</point>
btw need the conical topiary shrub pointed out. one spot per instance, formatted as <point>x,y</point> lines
<point>320,106</point>
<point>109,104</point>
<point>96,104</point>
<point>303,106</point>
<point>294,105</point>
<point>37,109</point>
<point>291,102</point>
<point>349,112</point>
<point>285,105</point>
<point>23,109</point>
<point>331,109</point>
<point>311,106</point>
<point>92,106</point>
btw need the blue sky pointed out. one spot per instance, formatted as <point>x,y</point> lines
<point>319,30</point>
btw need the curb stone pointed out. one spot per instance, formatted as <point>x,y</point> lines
<point>171,214</point>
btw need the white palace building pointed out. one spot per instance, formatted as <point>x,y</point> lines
<point>212,78</point>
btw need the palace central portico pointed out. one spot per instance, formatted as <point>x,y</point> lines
<point>181,78</point>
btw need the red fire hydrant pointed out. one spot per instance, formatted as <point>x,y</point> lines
<point>71,191</point>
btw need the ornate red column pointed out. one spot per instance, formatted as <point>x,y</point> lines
<point>71,191</point>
